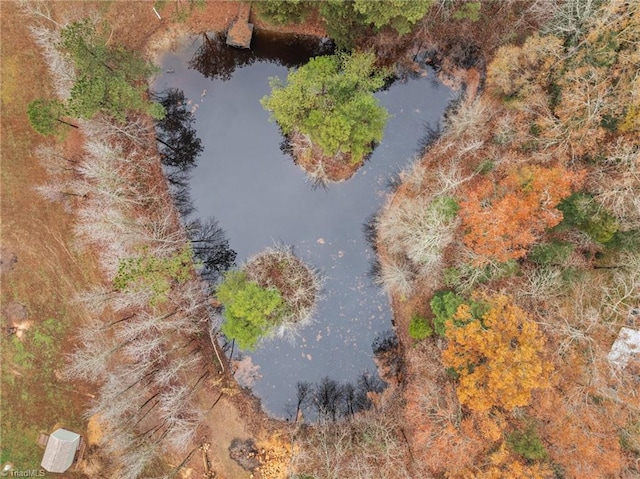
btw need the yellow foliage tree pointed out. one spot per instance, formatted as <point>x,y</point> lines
<point>499,357</point>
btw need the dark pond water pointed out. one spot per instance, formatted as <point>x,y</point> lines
<point>261,198</point>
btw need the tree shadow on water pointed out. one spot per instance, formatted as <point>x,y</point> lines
<point>217,60</point>
<point>179,148</point>
<point>330,400</point>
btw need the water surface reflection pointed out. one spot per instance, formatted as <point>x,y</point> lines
<point>260,198</point>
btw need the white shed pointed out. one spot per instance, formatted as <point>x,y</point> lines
<point>626,344</point>
<point>61,450</point>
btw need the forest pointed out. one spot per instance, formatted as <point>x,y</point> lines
<point>509,248</point>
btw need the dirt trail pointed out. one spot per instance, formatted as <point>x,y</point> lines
<point>226,423</point>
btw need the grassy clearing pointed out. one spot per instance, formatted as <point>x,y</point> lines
<point>48,273</point>
<point>32,394</point>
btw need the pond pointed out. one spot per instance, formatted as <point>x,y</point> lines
<point>261,198</point>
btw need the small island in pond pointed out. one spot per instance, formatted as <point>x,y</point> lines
<point>273,293</point>
<point>329,114</point>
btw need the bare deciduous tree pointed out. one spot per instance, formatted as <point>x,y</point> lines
<point>60,67</point>
<point>419,229</point>
<point>141,356</point>
<point>136,130</point>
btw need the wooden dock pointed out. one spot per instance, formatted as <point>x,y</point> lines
<point>241,31</point>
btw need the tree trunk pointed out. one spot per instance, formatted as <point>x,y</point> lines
<point>67,123</point>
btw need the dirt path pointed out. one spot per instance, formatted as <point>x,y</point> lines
<point>226,423</point>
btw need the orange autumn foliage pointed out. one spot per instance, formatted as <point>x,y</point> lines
<point>441,441</point>
<point>505,465</point>
<point>503,220</point>
<point>491,426</point>
<point>455,449</point>
<point>585,433</point>
<point>517,71</point>
<point>498,357</point>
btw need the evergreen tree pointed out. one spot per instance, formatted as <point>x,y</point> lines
<point>331,100</point>
<point>249,309</point>
<point>109,78</point>
<point>45,116</point>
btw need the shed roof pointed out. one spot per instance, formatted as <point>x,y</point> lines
<point>626,344</point>
<point>61,450</point>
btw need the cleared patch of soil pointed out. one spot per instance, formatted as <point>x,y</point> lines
<point>8,260</point>
<point>244,453</point>
<point>15,313</point>
<point>226,424</point>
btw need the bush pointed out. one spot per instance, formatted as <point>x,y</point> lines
<point>629,437</point>
<point>453,277</point>
<point>153,273</point>
<point>401,15</point>
<point>468,11</point>
<point>555,252</point>
<point>444,305</point>
<point>506,269</point>
<point>585,213</point>
<point>250,311</point>
<point>487,166</point>
<point>282,12</point>
<point>344,24</point>
<point>45,116</point>
<point>571,276</point>
<point>466,276</point>
<point>419,329</point>
<point>347,21</point>
<point>625,240</point>
<point>447,206</point>
<point>527,443</point>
